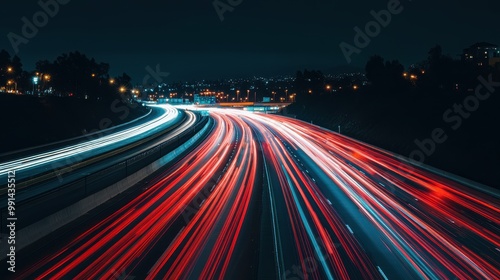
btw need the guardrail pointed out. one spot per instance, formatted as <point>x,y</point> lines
<point>34,209</point>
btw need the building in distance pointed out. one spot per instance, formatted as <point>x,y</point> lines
<point>482,54</point>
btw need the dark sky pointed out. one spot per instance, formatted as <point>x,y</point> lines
<point>260,37</point>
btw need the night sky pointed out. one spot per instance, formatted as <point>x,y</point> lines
<point>259,37</point>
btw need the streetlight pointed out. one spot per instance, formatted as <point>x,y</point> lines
<point>9,69</point>
<point>237,95</point>
<point>35,82</point>
<point>248,92</point>
<point>123,89</point>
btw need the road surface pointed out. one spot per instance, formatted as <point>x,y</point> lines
<point>266,196</point>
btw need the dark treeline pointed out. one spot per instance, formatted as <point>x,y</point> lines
<point>396,107</point>
<point>438,74</point>
<point>71,74</point>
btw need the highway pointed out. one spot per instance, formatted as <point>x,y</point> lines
<point>94,173</point>
<point>91,146</point>
<point>264,196</point>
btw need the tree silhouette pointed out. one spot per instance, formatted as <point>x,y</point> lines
<point>5,63</point>
<point>385,76</point>
<point>376,71</point>
<point>76,74</point>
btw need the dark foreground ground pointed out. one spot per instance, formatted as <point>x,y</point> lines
<point>31,121</point>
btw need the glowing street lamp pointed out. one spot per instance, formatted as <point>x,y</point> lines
<point>123,89</point>
<point>9,69</point>
<point>35,82</point>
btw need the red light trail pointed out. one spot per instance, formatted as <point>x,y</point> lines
<point>340,209</point>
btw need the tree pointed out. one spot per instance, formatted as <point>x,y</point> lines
<point>5,63</point>
<point>77,74</point>
<point>17,66</point>
<point>375,70</point>
<point>385,75</point>
<point>124,80</point>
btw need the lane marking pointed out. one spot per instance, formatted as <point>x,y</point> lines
<point>349,228</point>
<point>382,273</point>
